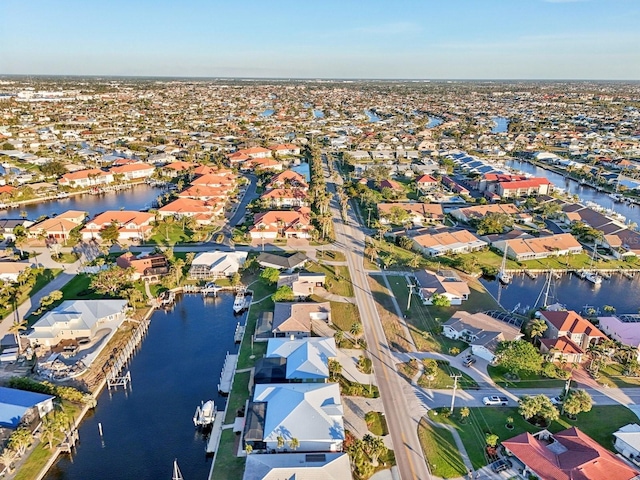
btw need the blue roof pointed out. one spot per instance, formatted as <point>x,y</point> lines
<point>15,403</point>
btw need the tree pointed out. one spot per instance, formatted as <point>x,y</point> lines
<point>577,401</point>
<point>356,331</point>
<point>537,328</point>
<point>235,279</point>
<point>439,300</point>
<point>280,441</point>
<point>294,444</point>
<point>110,233</point>
<point>494,223</point>
<point>248,448</point>
<point>371,251</point>
<point>491,439</point>
<point>335,368</point>
<point>283,294</point>
<point>338,336</point>
<point>464,413</point>
<point>374,447</point>
<point>430,367</point>
<point>17,327</point>
<point>112,280</point>
<point>518,356</point>
<point>20,440</point>
<point>7,457</point>
<point>270,275</point>
<point>538,406</point>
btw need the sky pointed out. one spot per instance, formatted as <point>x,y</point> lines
<point>408,39</point>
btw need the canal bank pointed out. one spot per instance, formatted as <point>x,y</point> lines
<point>147,426</point>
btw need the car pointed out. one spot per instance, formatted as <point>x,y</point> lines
<point>500,465</point>
<point>468,361</point>
<point>557,400</point>
<point>495,400</point>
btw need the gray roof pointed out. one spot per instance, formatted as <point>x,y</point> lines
<point>279,261</point>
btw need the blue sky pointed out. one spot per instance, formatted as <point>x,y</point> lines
<point>431,39</point>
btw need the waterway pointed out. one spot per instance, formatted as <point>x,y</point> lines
<point>268,112</point>
<point>372,116</point>
<point>434,122</point>
<point>302,169</point>
<point>584,193</point>
<point>140,197</point>
<point>570,291</point>
<point>177,366</point>
<point>318,113</point>
<point>501,124</point>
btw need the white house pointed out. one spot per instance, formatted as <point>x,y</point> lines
<point>627,442</point>
<point>625,330</point>
<point>307,359</point>
<point>298,466</point>
<point>77,319</point>
<point>446,283</point>
<point>212,265</point>
<point>309,412</point>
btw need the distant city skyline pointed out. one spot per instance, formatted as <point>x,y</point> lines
<point>461,39</point>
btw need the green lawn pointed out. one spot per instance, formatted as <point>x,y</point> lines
<point>343,315</point>
<point>338,280</point>
<point>526,380</point>
<point>228,466</point>
<point>238,395</point>
<point>331,256</point>
<point>170,235</point>
<point>612,374</point>
<point>599,423</point>
<point>440,451</point>
<point>442,378</point>
<point>376,423</point>
<point>28,290</point>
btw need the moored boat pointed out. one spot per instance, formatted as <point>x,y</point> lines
<point>240,301</point>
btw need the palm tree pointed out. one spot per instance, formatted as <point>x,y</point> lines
<point>6,458</point>
<point>356,331</point>
<point>16,328</point>
<point>20,440</point>
<point>294,444</point>
<point>338,336</point>
<point>374,447</point>
<point>280,440</point>
<point>537,328</point>
<point>371,251</point>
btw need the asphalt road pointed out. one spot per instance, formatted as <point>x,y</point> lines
<point>403,429</point>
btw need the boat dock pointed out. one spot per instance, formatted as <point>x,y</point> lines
<point>216,432</point>
<point>237,337</point>
<point>228,371</point>
<point>118,360</point>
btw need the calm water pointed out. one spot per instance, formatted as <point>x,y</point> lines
<point>570,291</point>
<point>630,212</point>
<point>302,169</point>
<point>177,367</point>
<point>267,113</point>
<point>318,113</point>
<point>372,116</point>
<point>501,124</point>
<point>434,122</point>
<point>138,198</point>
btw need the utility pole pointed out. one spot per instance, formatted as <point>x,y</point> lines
<point>411,286</point>
<point>455,388</point>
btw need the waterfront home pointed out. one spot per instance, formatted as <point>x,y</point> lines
<point>205,193</point>
<point>7,226</point>
<point>287,263</point>
<point>132,225</point>
<point>304,360</point>
<point>568,335</point>
<point>480,331</point>
<point>10,271</point>
<point>288,179</point>
<point>309,412</point>
<point>536,248</point>
<point>226,181</point>
<point>294,319</point>
<point>262,165</point>
<point>454,186</point>
<point>213,265</point>
<point>303,284</point>
<point>445,283</point>
<point>575,212</point>
<point>288,224</point>
<point>477,212</point>
<point>286,149</point>
<point>203,211</point>
<point>20,407</point>
<point>149,268</point>
<point>627,442</point>
<point>77,320</point>
<point>256,152</point>
<point>417,213</point>
<point>86,178</point>
<point>569,454</point>
<point>524,188</point>
<point>301,466</point>
<point>454,241</point>
<point>624,329</point>
<point>133,171</point>
<point>284,198</point>
<point>177,168</point>
<point>59,227</point>
<point>624,243</point>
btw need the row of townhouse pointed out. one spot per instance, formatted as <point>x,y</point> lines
<point>96,177</point>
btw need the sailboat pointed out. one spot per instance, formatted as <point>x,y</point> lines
<point>592,275</point>
<point>177,474</point>
<point>503,275</point>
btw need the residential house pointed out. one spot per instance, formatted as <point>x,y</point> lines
<point>536,248</point>
<point>149,268</point>
<point>446,283</point>
<point>454,186</point>
<point>426,183</point>
<point>392,184</point>
<point>59,227</point>
<point>294,319</point>
<point>132,225</point>
<point>8,225</point>
<point>298,466</point>
<point>21,407</point>
<point>304,360</point>
<point>86,178</point>
<point>303,284</point>
<point>418,213</point>
<point>212,265</point>
<point>623,243</point>
<point>454,241</point>
<point>288,179</point>
<point>178,168</point>
<point>524,188</point>
<point>568,335</point>
<point>256,152</point>
<point>309,412</point>
<point>286,149</point>
<point>566,455</point>
<point>288,224</point>
<point>133,171</point>
<point>287,263</point>
<point>624,329</point>
<point>627,442</point>
<point>76,320</point>
<point>284,198</point>
<point>480,331</point>
<point>262,165</point>
<point>10,271</point>
<point>205,193</point>
<point>202,210</point>
<point>467,214</point>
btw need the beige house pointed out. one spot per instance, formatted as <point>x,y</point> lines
<point>294,319</point>
<point>541,247</point>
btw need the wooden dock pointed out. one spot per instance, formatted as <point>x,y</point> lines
<point>216,432</point>
<point>228,371</point>
<point>237,337</point>
<point>119,359</point>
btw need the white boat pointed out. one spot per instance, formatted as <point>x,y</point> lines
<point>62,195</point>
<point>205,414</point>
<point>504,276</point>
<point>594,278</point>
<point>582,274</point>
<point>239,302</point>
<point>177,474</point>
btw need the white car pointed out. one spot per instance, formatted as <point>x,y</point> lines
<point>495,400</point>
<point>557,400</point>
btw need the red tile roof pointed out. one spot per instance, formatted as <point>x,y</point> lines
<point>570,321</point>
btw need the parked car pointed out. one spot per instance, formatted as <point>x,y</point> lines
<point>495,400</point>
<point>557,400</point>
<point>468,361</point>
<point>500,465</point>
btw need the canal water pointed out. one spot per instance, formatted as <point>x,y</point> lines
<point>569,290</point>
<point>140,197</point>
<point>501,124</point>
<point>177,366</point>
<point>434,122</point>
<point>372,116</point>
<point>318,113</point>
<point>585,193</point>
<point>302,169</point>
